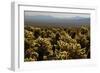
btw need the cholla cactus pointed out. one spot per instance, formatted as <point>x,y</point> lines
<point>56,43</point>
<point>84,30</point>
<point>63,55</point>
<point>28,34</point>
<point>82,53</point>
<point>45,42</point>
<point>63,45</point>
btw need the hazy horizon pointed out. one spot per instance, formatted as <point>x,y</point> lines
<point>56,18</point>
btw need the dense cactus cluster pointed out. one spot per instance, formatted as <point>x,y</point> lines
<point>56,43</point>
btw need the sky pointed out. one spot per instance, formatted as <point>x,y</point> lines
<point>57,15</point>
<point>32,17</point>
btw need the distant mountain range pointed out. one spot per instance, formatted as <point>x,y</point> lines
<point>50,20</point>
